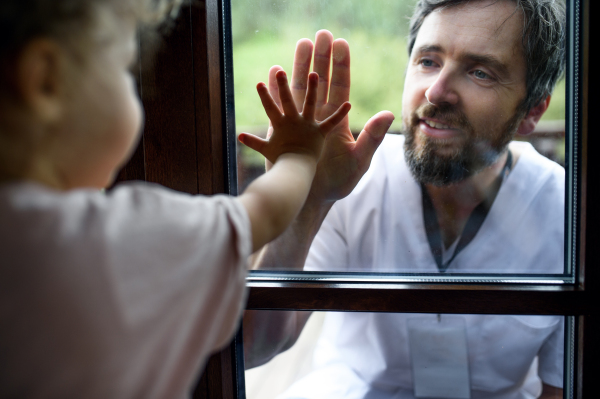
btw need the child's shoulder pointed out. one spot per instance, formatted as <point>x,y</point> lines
<point>28,205</point>
<point>23,199</point>
<point>138,214</point>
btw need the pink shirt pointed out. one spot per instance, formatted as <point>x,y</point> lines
<point>116,295</point>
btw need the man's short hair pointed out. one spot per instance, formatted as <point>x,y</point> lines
<point>544,32</point>
<point>68,21</point>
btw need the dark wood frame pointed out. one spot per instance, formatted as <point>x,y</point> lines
<point>184,147</point>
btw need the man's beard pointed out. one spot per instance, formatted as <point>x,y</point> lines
<point>480,149</point>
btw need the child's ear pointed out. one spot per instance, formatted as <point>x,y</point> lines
<point>39,78</point>
<point>530,121</point>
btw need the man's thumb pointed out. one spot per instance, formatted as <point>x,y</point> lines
<point>373,133</point>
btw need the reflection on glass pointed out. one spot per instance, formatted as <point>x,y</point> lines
<point>400,356</point>
<point>445,196</point>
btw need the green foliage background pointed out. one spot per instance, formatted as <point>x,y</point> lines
<point>265,33</point>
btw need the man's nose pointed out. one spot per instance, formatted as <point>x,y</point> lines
<point>442,89</point>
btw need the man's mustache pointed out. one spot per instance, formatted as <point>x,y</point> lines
<point>446,114</point>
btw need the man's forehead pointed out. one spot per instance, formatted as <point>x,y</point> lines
<point>479,26</point>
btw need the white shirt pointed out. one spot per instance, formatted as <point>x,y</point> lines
<point>379,228</point>
<point>116,296</point>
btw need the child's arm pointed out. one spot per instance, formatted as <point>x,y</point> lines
<point>274,199</point>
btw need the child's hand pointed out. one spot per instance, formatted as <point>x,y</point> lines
<point>293,132</point>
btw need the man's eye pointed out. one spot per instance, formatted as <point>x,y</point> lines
<point>426,63</point>
<point>481,75</point>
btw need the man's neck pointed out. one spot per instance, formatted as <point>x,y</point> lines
<point>454,204</point>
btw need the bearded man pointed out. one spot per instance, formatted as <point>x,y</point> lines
<point>454,195</point>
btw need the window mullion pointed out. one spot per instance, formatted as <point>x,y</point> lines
<point>421,298</point>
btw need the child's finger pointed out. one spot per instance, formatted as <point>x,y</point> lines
<point>285,95</point>
<point>271,108</point>
<point>335,118</point>
<point>256,143</point>
<point>311,97</point>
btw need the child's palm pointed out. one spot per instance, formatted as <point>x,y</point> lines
<point>295,130</point>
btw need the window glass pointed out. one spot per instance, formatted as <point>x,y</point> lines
<point>417,216</point>
<point>384,355</point>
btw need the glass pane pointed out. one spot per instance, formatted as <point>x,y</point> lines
<point>400,356</point>
<point>442,193</point>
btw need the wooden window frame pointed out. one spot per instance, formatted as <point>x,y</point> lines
<point>187,145</point>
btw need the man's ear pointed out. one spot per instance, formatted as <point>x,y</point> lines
<point>39,78</point>
<point>528,123</point>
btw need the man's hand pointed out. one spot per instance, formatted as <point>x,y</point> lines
<point>344,160</point>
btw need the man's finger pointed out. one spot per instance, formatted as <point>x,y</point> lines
<point>323,46</point>
<point>302,56</point>
<point>340,78</point>
<point>273,88</point>
<point>372,135</point>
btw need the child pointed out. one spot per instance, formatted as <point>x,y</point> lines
<point>123,294</point>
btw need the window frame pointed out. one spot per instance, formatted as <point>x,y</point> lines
<point>187,146</point>
<point>489,297</point>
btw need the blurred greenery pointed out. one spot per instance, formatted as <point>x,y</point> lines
<point>265,33</point>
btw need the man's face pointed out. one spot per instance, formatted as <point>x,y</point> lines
<point>464,83</point>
